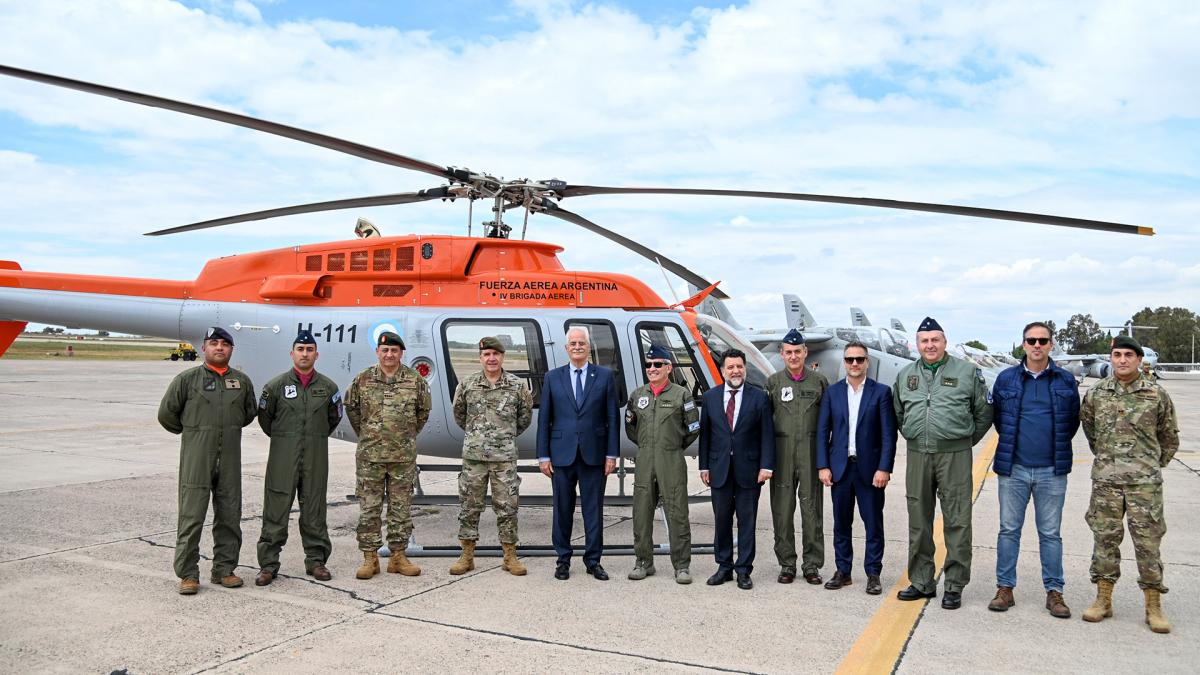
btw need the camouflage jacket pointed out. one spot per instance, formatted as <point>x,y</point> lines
<point>1132,430</point>
<point>387,413</point>
<point>492,416</point>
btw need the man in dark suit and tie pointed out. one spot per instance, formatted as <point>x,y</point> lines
<point>856,449</point>
<point>577,444</point>
<point>737,455</point>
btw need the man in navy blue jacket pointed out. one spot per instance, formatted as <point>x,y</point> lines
<point>577,444</point>
<point>856,450</point>
<point>1036,414</point>
<point>737,455</point>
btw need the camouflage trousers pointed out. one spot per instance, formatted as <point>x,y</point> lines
<point>393,482</point>
<point>472,488</point>
<point>1142,507</point>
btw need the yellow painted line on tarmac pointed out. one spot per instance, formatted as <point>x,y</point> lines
<point>879,645</point>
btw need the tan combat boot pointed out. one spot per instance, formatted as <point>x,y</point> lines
<point>370,566</point>
<point>1154,616</point>
<point>398,563</point>
<point>466,560</point>
<point>1102,608</point>
<point>511,564</point>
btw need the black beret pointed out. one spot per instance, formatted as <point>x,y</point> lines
<point>304,337</point>
<point>1126,342</point>
<point>218,333</point>
<point>390,339</point>
<point>793,337</point>
<point>929,323</point>
<point>491,343</point>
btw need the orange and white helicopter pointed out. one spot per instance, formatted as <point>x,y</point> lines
<point>441,293</point>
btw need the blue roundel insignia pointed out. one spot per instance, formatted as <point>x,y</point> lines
<point>427,250</point>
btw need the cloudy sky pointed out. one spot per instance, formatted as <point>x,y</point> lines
<point>1087,109</point>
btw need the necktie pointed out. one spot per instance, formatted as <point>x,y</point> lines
<point>731,406</point>
<point>578,386</point>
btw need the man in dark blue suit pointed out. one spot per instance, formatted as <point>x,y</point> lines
<point>856,449</point>
<point>737,455</point>
<point>577,444</point>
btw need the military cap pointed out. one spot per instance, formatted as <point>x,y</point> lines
<point>928,324</point>
<point>491,343</point>
<point>660,354</point>
<point>1126,342</point>
<point>218,333</point>
<point>793,337</point>
<point>304,337</point>
<point>389,339</point>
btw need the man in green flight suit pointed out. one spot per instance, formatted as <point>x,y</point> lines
<point>209,405</point>
<point>943,409</point>
<point>492,407</point>
<point>662,420</point>
<point>795,394</point>
<point>388,405</point>
<point>298,410</point>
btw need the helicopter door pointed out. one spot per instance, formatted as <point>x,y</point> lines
<point>606,350</point>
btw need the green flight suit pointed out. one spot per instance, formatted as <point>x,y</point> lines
<point>796,405</point>
<point>942,413</point>
<point>662,427</point>
<point>299,421</point>
<point>209,410</point>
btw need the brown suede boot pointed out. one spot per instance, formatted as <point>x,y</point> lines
<point>1003,599</point>
<point>189,586</point>
<point>1154,616</point>
<point>466,559</point>
<point>230,580</point>
<point>1057,606</point>
<point>511,564</point>
<point>1102,608</point>
<point>370,566</point>
<point>398,563</point>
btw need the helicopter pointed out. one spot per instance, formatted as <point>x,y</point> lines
<point>441,293</point>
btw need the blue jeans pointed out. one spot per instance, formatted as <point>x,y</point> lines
<point>1049,492</point>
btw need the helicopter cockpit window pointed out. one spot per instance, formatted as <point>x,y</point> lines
<point>605,352</point>
<point>524,355</point>
<point>686,372</point>
<point>720,337</point>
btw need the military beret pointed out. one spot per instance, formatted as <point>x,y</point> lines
<point>659,353</point>
<point>304,337</point>
<point>491,343</point>
<point>928,324</point>
<point>218,333</point>
<point>793,337</point>
<point>390,339</point>
<point>1126,342</point>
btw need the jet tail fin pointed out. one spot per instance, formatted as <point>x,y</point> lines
<point>858,317</point>
<point>896,325</point>
<point>797,314</point>
<point>9,330</point>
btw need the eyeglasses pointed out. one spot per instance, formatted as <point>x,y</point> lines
<point>855,359</point>
<point>1037,341</point>
<point>652,365</point>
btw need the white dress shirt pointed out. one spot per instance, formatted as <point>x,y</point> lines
<point>854,400</point>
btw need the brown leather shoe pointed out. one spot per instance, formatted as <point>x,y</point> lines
<point>813,578</point>
<point>228,581</point>
<point>320,573</point>
<point>1058,608</point>
<point>189,586</point>
<point>786,576</point>
<point>1003,599</point>
<point>264,578</point>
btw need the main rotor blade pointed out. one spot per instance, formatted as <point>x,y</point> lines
<point>335,205</point>
<point>684,273</point>
<point>311,137</point>
<point>976,212</point>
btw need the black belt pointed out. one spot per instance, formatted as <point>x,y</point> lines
<point>852,458</point>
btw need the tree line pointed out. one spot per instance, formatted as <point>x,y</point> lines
<point>1171,337</point>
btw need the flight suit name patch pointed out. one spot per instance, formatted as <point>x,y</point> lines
<point>949,381</point>
<point>233,383</point>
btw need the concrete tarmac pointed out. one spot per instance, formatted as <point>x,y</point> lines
<point>87,514</point>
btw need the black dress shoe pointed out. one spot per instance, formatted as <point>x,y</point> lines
<point>562,571</point>
<point>952,600</point>
<point>744,582</point>
<point>838,580</point>
<point>873,585</point>
<point>914,593</point>
<point>786,576</point>
<point>720,577</point>
<point>598,572</point>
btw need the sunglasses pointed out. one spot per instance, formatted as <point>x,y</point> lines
<point>855,359</point>
<point>1037,341</point>
<point>652,365</point>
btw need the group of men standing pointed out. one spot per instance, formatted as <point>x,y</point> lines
<point>800,433</point>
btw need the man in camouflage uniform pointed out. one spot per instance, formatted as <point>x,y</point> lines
<point>388,405</point>
<point>796,395</point>
<point>1130,424</point>
<point>209,405</point>
<point>298,410</point>
<point>662,420</point>
<point>492,407</point>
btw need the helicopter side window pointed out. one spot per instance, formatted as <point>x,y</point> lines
<point>686,372</point>
<point>605,351</point>
<point>524,355</point>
